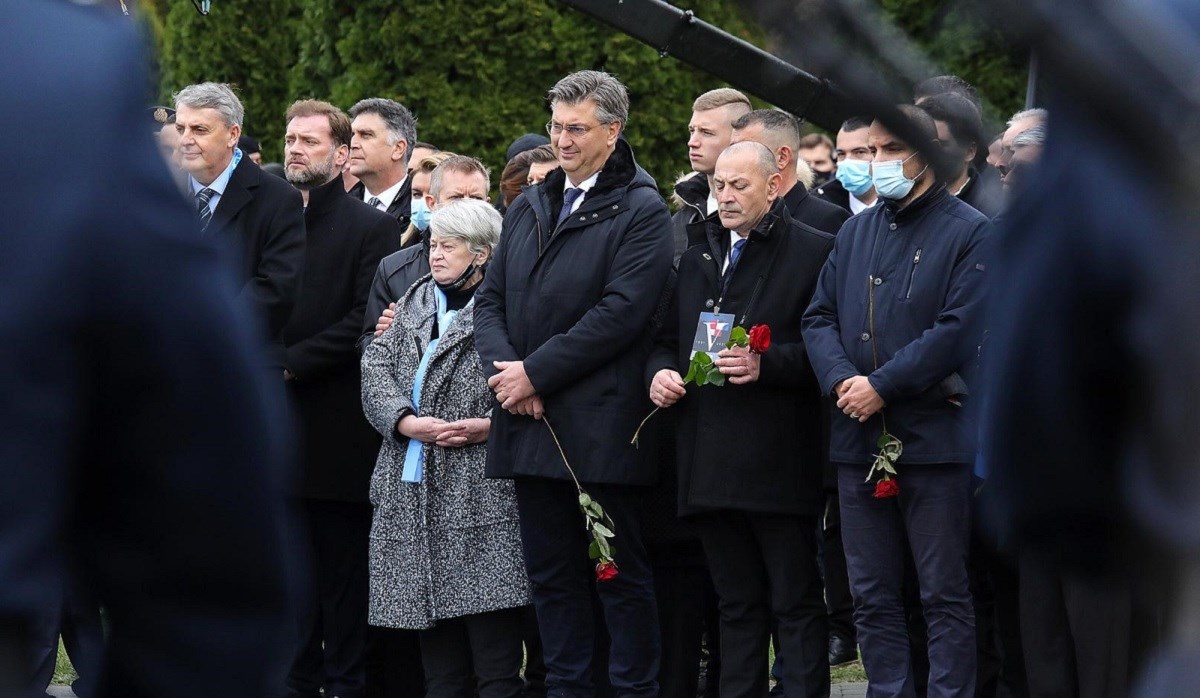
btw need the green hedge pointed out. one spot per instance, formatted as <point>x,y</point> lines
<point>476,73</point>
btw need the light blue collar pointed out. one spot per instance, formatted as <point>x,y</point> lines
<point>218,185</point>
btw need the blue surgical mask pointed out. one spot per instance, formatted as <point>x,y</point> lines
<point>420,214</point>
<point>889,179</point>
<point>855,176</point>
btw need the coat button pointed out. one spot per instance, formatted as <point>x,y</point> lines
<point>708,303</point>
<point>878,280</point>
<point>892,226</point>
<point>866,336</point>
<point>583,218</point>
<point>595,215</point>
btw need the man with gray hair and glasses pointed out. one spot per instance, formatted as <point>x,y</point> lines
<point>261,216</point>
<point>383,133</point>
<point>562,324</point>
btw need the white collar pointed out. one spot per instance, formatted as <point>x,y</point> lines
<point>586,185</point>
<point>387,196</point>
<point>857,205</point>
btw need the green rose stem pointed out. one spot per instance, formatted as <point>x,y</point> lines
<point>598,524</point>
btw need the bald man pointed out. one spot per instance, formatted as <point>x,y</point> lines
<point>751,486</point>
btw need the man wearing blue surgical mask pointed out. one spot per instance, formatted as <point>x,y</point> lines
<point>852,189</point>
<point>892,328</point>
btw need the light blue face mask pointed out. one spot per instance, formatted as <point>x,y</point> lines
<point>420,214</point>
<point>890,182</point>
<point>855,176</point>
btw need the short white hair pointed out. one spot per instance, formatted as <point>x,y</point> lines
<point>477,223</point>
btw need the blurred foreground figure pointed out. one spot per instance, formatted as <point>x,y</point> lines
<point>138,446</point>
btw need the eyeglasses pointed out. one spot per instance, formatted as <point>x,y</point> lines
<point>576,130</point>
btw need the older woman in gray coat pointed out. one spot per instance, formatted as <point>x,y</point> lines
<point>445,555</point>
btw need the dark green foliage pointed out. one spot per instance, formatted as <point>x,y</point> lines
<point>476,73</point>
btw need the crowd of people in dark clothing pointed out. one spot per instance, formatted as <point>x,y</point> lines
<point>463,369</point>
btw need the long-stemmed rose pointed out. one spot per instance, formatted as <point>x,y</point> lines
<point>703,371</point>
<point>599,525</point>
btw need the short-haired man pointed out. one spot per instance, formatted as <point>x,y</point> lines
<point>816,149</point>
<point>758,522</point>
<point>853,188</point>
<point>946,84</point>
<point>709,130</point>
<point>346,240</point>
<point>458,177</point>
<point>1020,122</point>
<point>422,150</point>
<point>383,134</point>
<point>561,324</point>
<point>1026,151</point>
<point>958,127</point>
<point>261,216</point>
<point>892,327</point>
<point>780,132</point>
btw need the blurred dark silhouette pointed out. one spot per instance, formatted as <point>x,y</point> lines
<point>139,445</point>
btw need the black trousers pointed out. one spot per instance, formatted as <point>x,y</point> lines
<point>393,664</point>
<point>562,577</point>
<point>476,655</point>
<point>78,621</point>
<point>332,620</point>
<point>1075,632</point>
<point>684,594</point>
<point>764,568</point>
<point>838,601</point>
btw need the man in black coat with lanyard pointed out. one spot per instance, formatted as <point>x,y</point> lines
<point>346,240</point>
<point>749,452</point>
<point>561,324</point>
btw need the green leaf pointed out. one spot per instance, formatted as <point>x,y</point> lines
<point>739,337</point>
<point>595,510</point>
<point>584,499</point>
<point>691,374</point>
<point>602,530</point>
<point>702,359</point>
<point>702,378</point>
<point>883,440</point>
<point>594,550</point>
<point>716,378</point>
<point>603,546</point>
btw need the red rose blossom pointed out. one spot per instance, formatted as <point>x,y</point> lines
<point>886,488</point>
<point>760,339</point>
<point>606,571</point>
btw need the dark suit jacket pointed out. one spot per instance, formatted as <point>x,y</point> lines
<point>815,212</point>
<point>262,217</point>
<point>346,240</point>
<point>396,273</point>
<point>399,208</point>
<point>833,192</point>
<point>141,443</point>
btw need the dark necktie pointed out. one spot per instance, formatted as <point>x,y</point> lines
<point>374,202</point>
<point>202,209</point>
<point>570,196</point>
<point>734,255</point>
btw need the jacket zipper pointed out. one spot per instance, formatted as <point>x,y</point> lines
<point>913,275</point>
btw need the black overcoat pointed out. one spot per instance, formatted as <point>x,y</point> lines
<point>262,218</point>
<point>754,447</point>
<point>575,306</point>
<point>346,240</point>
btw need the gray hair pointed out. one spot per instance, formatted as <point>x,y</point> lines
<point>1040,114</point>
<point>213,95</point>
<point>1031,136</point>
<point>610,96</point>
<point>765,156</point>
<point>476,223</point>
<point>400,122</point>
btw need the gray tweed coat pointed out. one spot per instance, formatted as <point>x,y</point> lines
<point>448,546</point>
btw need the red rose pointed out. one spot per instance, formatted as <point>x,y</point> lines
<point>886,488</point>
<point>760,339</point>
<point>606,571</point>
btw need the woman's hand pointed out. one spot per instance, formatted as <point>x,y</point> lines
<point>423,429</point>
<point>464,432</point>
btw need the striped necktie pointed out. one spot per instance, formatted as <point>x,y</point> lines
<point>202,208</point>
<point>374,202</point>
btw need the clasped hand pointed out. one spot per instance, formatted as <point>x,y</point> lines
<point>857,398</point>
<point>514,391</point>
<point>442,433</point>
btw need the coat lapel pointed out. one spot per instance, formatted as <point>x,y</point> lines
<point>238,192</point>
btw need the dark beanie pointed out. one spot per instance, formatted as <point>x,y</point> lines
<point>527,142</point>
